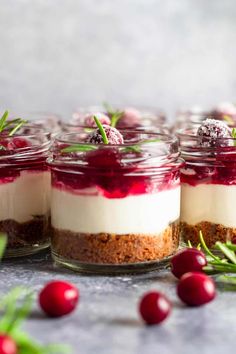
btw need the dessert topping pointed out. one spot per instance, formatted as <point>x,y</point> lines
<point>105,134</point>
<point>212,133</point>
<point>90,122</point>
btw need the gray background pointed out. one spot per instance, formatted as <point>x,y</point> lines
<point>58,54</point>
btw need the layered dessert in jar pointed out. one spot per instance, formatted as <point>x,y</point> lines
<point>24,188</point>
<point>115,199</point>
<point>120,118</point>
<point>208,182</point>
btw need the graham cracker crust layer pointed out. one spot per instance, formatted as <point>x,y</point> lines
<point>106,248</point>
<point>211,233</point>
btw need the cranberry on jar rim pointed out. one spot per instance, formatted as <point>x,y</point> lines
<point>115,203</point>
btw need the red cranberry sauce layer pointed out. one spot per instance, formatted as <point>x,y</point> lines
<point>106,175</point>
<point>220,168</point>
<point>16,156</point>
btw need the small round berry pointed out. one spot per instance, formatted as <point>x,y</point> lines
<point>7,345</point>
<point>130,118</point>
<point>90,122</point>
<point>113,135</point>
<point>154,307</point>
<point>17,143</point>
<point>214,132</point>
<point>188,260</point>
<point>58,298</point>
<point>196,289</point>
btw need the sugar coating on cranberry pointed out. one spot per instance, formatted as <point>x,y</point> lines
<point>196,289</point>
<point>90,122</point>
<point>113,135</point>
<point>154,307</point>
<point>7,345</point>
<point>130,118</point>
<point>188,260</point>
<point>58,298</point>
<point>214,132</point>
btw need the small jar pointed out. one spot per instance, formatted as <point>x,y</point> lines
<point>25,192</point>
<point>208,189</point>
<point>115,208</point>
<point>142,119</point>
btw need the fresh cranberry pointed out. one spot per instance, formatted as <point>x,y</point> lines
<point>233,240</point>
<point>90,122</point>
<point>214,132</point>
<point>129,119</point>
<point>196,289</point>
<point>7,345</point>
<point>188,260</point>
<point>17,143</point>
<point>58,298</point>
<point>113,135</point>
<point>154,307</point>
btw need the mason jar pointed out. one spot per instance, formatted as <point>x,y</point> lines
<point>115,208</point>
<point>208,189</point>
<point>25,192</point>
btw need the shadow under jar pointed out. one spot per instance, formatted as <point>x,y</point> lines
<point>115,208</point>
<point>208,189</point>
<point>25,192</point>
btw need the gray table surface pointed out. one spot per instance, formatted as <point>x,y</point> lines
<point>107,321</point>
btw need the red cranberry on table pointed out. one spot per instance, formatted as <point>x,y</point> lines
<point>113,136</point>
<point>58,298</point>
<point>188,260</point>
<point>154,307</point>
<point>90,122</point>
<point>7,345</point>
<point>196,289</point>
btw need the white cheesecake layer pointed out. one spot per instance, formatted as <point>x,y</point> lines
<point>141,214</point>
<point>214,203</point>
<point>26,196</point>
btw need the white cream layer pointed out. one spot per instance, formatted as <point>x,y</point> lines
<point>26,196</point>
<point>142,214</point>
<point>214,203</point>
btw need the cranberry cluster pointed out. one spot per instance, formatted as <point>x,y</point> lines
<point>194,288</point>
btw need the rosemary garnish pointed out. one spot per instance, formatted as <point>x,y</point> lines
<point>102,130</point>
<point>3,243</point>
<point>115,115</point>
<point>233,133</point>
<point>12,126</point>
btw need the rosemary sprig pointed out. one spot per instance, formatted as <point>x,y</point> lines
<point>3,243</point>
<point>78,148</point>
<point>115,115</point>
<point>102,130</point>
<point>233,133</point>
<point>12,126</point>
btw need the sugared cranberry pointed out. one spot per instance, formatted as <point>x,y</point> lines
<point>58,298</point>
<point>196,289</point>
<point>129,119</point>
<point>188,260</point>
<point>7,345</point>
<point>154,307</point>
<point>113,135</point>
<point>89,119</point>
<point>214,132</point>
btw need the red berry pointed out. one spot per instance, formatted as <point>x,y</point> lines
<point>130,118</point>
<point>213,132</point>
<point>7,345</point>
<point>113,136</point>
<point>58,298</point>
<point>154,307</point>
<point>196,289</point>
<point>17,143</point>
<point>188,260</point>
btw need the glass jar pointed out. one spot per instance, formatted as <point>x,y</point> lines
<point>208,189</point>
<point>115,208</point>
<point>144,119</point>
<point>25,192</point>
